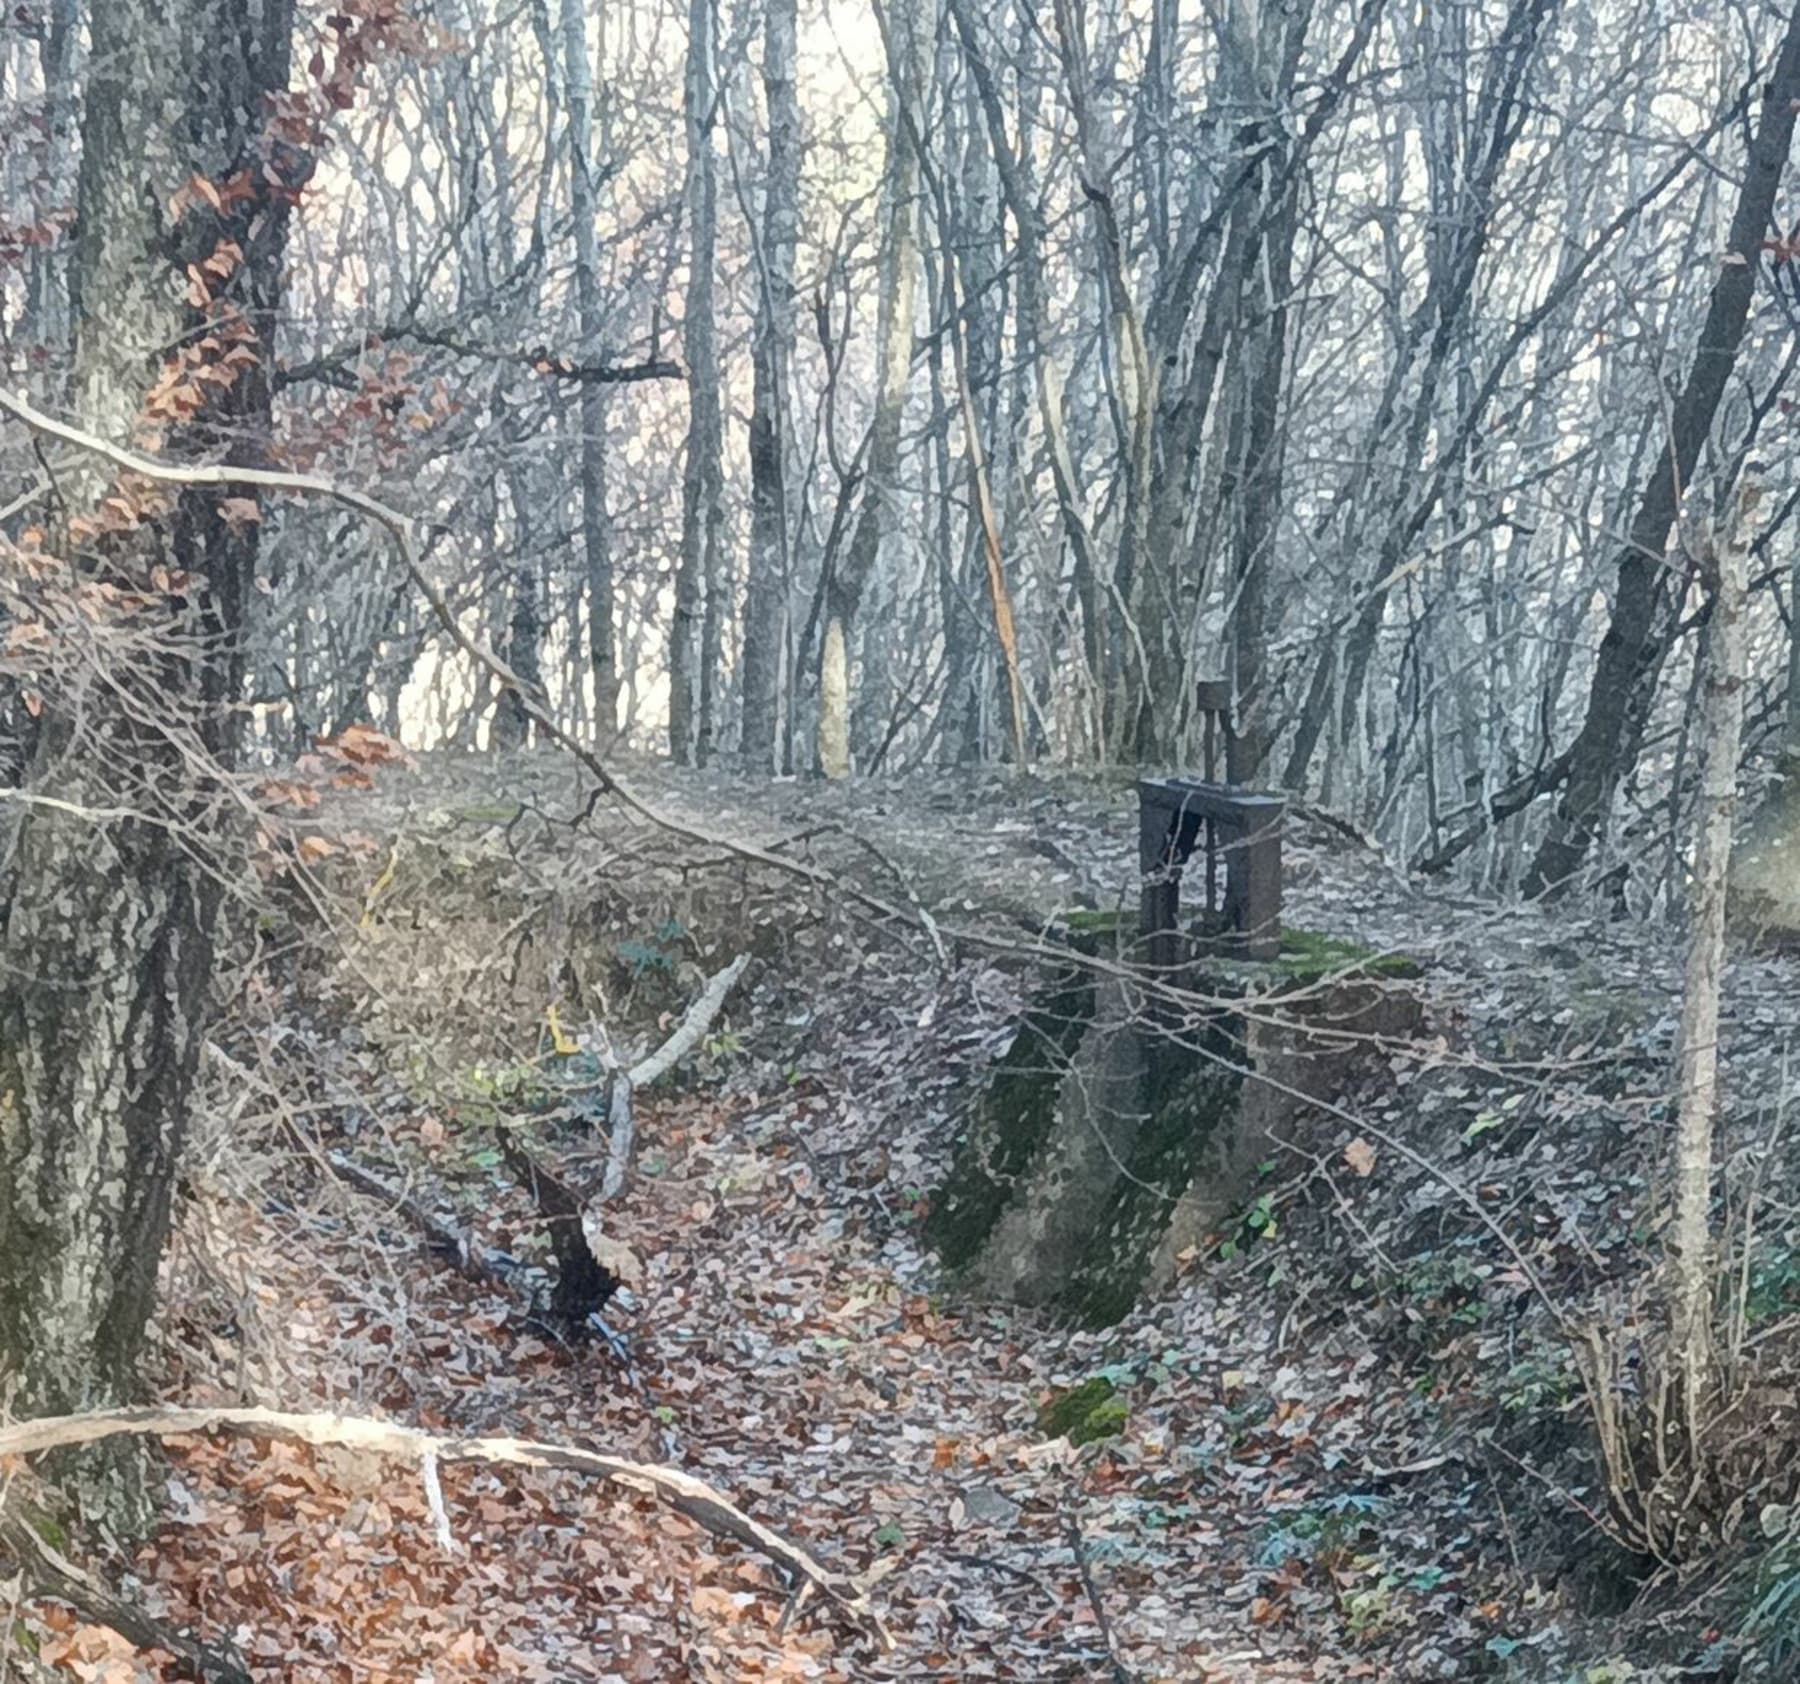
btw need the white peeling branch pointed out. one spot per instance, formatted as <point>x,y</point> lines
<point>621,1135</point>
<point>702,1503</point>
<point>621,1123</point>
<point>695,1022</point>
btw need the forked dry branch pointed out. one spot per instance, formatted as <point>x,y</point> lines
<point>701,1503</point>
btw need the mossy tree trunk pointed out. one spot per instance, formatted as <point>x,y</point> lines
<point>110,889</point>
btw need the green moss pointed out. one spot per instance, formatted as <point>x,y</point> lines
<point>1106,1421</point>
<point>1084,1413</point>
<point>1310,954</point>
<point>1187,1097</point>
<point>1083,920</point>
<point>1012,1122</point>
<point>50,1529</point>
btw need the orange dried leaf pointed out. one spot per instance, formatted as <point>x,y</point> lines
<point>279,793</point>
<point>1360,1156</point>
<point>367,746</point>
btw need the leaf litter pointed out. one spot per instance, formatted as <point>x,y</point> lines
<point>1317,1475</point>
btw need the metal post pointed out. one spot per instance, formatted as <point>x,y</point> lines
<point>1213,698</point>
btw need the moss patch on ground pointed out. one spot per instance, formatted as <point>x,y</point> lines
<point>1084,1413</point>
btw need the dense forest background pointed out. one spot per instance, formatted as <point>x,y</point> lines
<point>584,590</point>
<point>943,384</point>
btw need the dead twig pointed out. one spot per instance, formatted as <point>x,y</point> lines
<point>1122,1674</point>
<point>471,1258</point>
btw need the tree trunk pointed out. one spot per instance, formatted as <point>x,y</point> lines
<point>1631,654</point>
<point>110,922</point>
<point>694,637</point>
<point>524,646</point>
<point>875,521</point>
<point>596,533</point>
<point>47,309</point>
<point>1697,1055</point>
<point>1033,344</point>
<point>1258,503</point>
<point>766,600</point>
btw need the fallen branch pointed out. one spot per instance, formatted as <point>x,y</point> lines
<point>50,1574</point>
<point>620,1121</point>
<point>1501,806</point>
<point>1122,1674</point>
<point>701,1503</point>
<point>695,1022</point>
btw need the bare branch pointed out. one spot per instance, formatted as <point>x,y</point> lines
<point>704,1504</point>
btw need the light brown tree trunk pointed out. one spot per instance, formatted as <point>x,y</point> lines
<point>1697,1050</point>
<point>109,922</point>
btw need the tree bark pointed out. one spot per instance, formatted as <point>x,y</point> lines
<point>109,923</point>
<point>1637,636</point>
<point>695,637</point>
<point>772,351</point>
<point>596,531</point>
<point>876,519</point>
<point>1259,423</point>
<point>1697,1056</point>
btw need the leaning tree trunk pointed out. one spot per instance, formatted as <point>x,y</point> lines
<point>109,896</point>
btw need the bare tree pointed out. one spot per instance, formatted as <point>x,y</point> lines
<point>908,38</point>
<point>772,353</point>
<point>584,205</point>
<point>115,913</point>
<point>1637,637</point>
<point>695,637</point>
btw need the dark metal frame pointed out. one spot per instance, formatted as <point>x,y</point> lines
<point>1176,815</point>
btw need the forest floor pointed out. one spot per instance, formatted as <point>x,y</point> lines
<point>1355,1442</point>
